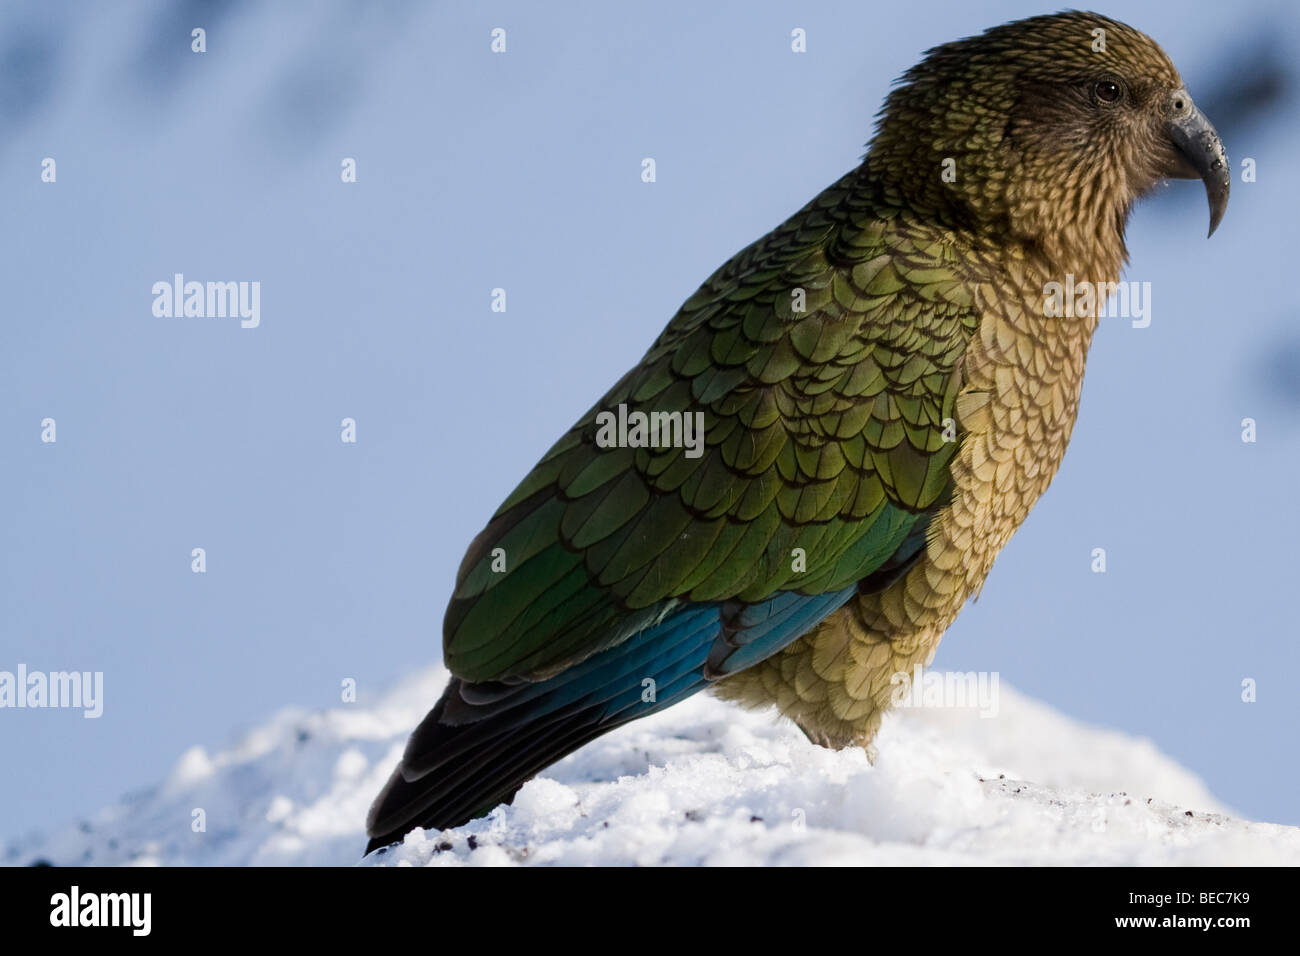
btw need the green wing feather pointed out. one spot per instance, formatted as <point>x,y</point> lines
<point>823,431</point>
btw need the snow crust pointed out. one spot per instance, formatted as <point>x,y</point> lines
<point>704,783</point>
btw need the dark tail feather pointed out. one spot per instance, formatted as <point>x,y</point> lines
<point>480,776</point>
<point>481,743</point>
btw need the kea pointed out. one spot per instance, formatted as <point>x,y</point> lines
<point>791,496</point>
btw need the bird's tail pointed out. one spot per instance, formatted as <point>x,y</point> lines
<point>481,742</point>
<point>451,774</point>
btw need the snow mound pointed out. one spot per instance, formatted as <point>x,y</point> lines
<point>702,783</point>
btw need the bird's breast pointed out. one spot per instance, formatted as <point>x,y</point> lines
<point>1022,376</point>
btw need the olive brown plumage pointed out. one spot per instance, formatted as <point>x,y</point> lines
<point>884,397</point>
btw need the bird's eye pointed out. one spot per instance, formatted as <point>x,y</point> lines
<point>1107,91</point>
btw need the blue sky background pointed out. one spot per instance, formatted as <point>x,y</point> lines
<point>522,170</point>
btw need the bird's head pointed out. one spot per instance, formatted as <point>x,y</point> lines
<point>1050,127</point>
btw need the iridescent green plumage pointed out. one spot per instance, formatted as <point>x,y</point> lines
<point>822,358</point>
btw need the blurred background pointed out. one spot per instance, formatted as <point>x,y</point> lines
<point>522,171</point>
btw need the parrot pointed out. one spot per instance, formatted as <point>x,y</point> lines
<point>881,394</point>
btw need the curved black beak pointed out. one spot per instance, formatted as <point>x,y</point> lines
<point>1199,145</point>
